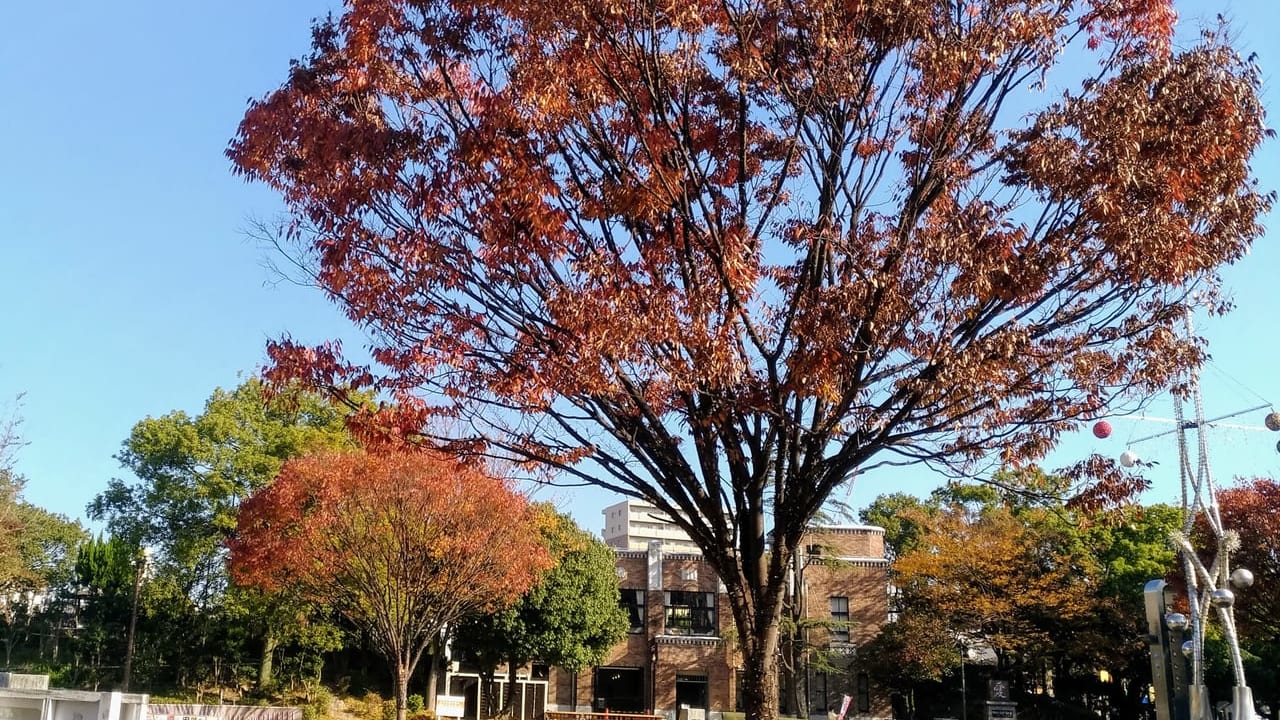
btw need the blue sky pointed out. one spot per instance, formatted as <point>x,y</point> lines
<point>128,287</point>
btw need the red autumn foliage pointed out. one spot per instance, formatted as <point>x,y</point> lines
<point>1248,509</point>
<point>726,255</point>
<point>402,544</point>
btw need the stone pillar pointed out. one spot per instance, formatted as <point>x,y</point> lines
<point>109,706</point>
<point>654,597</point>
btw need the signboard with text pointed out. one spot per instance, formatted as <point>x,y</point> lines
<point>454,706</point>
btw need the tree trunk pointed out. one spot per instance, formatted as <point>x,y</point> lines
<point>508,705</point>
<point>791,676</point>
<point>756,599</point>
<point>269,644</point>
<point>402,689</point>
<point>434,663</point>
<point>486,690</point>
<point>795,648</point>
<point>759,683</point>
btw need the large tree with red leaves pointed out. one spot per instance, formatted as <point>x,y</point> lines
<point>723,255</point>
<point>402,544</point>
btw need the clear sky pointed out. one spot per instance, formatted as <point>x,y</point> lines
<point>128,287</point>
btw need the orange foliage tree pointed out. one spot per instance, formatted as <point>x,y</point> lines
<point>723,255</point>
<point>998,578</point>
<point>403,544</point>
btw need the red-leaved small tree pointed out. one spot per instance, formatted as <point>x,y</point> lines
<point>402,544</point>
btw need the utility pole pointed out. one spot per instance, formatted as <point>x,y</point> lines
<point>141,561</point>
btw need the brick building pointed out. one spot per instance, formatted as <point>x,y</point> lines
<point>680,653</point>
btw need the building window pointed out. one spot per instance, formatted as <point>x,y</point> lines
<point>839,619</point>
<point>633,602</point>
<point>690,613</point>
<point>619,689</point>
<point>864,692</point>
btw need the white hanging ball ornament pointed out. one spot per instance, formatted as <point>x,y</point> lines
<point>1175,621</point>
<point>1222,598</point>
<point>1128,458</point>
<point>1241,578</point>
<point>1272,421</point>
<point>1188,648</point>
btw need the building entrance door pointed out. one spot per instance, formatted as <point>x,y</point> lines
<point>691,693</point>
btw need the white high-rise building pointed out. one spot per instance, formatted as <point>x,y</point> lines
<point>633,524</point>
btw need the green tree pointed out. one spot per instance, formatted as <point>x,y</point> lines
<point>35,558</point>
<point>191,474</point>
<point>102,590</point>
<point>897,513</point>
<point>1132,546</point>
<point>914,652</point>
<point>569,619</point>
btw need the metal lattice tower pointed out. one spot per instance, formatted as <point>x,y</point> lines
<point>1209,587</point>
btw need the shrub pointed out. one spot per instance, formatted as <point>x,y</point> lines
<point>369,707</point>
<point>318,700</point>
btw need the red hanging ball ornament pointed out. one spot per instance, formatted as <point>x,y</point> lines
<point>1102,429</point>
